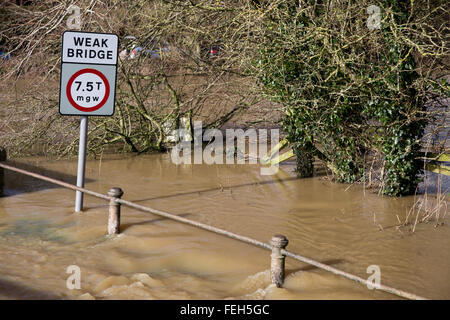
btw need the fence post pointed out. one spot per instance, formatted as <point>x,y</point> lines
<point>278,242</point>
<point>114,211</point>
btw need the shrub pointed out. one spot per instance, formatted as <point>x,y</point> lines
<point>352,87</point>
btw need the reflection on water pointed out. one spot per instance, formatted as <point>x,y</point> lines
<point>155,258</point>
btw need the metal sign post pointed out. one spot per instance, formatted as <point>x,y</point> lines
<point>81,162</point>
<point>87,85</point>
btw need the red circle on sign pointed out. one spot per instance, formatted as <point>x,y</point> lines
<point>69,86</point>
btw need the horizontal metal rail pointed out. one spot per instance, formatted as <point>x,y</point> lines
<point>226,233</point>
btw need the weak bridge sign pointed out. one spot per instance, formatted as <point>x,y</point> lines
<point>88,73</point>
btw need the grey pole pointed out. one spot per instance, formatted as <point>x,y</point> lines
<point>81,162</point>
<point>278,242</point>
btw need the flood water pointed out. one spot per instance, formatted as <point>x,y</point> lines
<point>155,258</point>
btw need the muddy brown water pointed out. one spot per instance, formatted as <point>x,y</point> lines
<point>155,258</point>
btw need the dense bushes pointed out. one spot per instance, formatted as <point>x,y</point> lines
<point>351,86</point>
<point>151,95</point>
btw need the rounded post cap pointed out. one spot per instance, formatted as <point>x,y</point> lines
<point>115,192</point>
<point>279,241</point>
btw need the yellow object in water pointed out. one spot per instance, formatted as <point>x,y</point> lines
<point>439,168</point>
<point>436,168</point>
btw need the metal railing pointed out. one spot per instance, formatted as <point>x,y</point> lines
<point>277,244</point>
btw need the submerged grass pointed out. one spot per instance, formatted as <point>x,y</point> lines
<point>427,208</point>
<point>41,229</point>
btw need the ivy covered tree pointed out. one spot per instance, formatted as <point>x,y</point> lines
<point>348,74</point>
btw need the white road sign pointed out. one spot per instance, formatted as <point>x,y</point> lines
<point>87,85</point>
<point>88,73</point>
<point>86,47</point>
